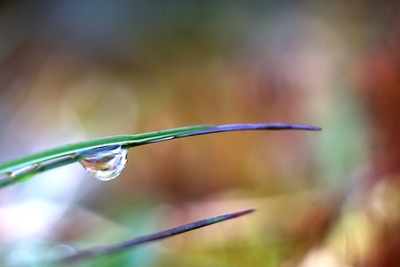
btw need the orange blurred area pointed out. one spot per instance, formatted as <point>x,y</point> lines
<point>72,71</point>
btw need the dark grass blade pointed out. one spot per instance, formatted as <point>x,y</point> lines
<point>251,127</point>
<point>105,250</point>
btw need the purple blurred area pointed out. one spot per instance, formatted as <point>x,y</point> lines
<point>76,70</point>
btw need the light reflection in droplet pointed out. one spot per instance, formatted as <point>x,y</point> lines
<point>105,164</point>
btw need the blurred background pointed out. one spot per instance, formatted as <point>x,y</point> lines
<point>76,70</point>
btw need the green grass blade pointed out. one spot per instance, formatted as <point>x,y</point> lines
<point>71,149</point>
<point>49,159</point>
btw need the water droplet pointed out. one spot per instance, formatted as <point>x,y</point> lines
<point>104,163</point>
<point>60,251</point>
<point>24,173</point>
<point>161,139</point>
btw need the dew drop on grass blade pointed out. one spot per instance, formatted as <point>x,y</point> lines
<point>105,158</point>
<point>104,163</point>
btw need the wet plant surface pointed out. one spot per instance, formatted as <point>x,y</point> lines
<point>106,161</point>
<point>106,158</point>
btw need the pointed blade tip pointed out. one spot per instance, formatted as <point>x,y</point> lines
<point>314,128</point>
<point>306,127</point>
<point>244,212</point>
